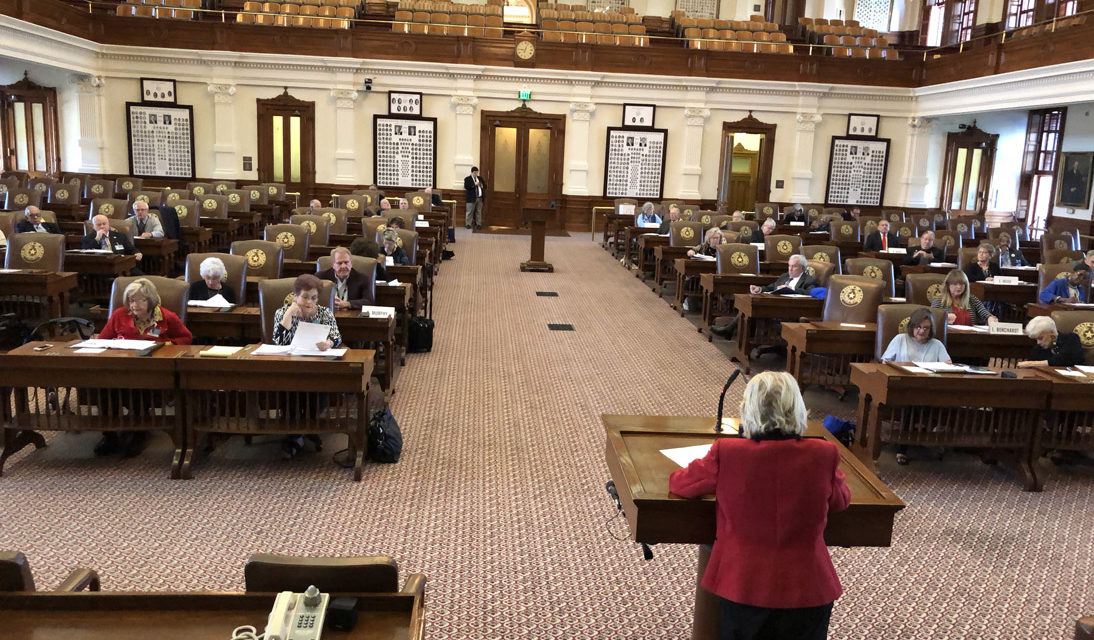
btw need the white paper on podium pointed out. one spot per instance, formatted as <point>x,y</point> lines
<point>308,334</point>
<point>105,343</point>
<point>217,302</point>
<point>683,456</point>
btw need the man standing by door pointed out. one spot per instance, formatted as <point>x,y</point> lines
<point>475,191</point>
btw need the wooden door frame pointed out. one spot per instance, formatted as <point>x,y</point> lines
<point>306,110</point>
<point>971,135</point>
<point>29,93</point>
<point>526,118</point>
<point>749,124</point>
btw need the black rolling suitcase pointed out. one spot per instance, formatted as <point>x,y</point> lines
<point>421,335</point>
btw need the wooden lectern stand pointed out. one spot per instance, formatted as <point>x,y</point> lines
<point>538,219</point>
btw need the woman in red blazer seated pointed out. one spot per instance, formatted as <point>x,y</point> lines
<point>774,490</point>
<point>142,318</point>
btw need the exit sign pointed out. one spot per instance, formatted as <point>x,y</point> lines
<point>524,95</point>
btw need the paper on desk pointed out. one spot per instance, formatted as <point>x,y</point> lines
<point>797,224</point>
<point>91,251</point>
<point>1073,374</point>
<point>389,261</point>
<point>799,295</point>
<point>894,250</point>
<point>683,456</point>
<point>103,343</point>
<point>700,256</point>
<point>852,325</point>
<point>626,210</point>
<point>896,299</point>
<point>650,225</point>
<point>1085,369</point>
<point>377,312</point>
<point>87,350</point>
<point>913,369</point>
<point>759,245</point>
<point>272,350</point>
<point>940,367</point>
<point>389,283</point>
<point>308,334</point>
<point>329,353</point>
<point>943,264</point>
<point>217,302</point>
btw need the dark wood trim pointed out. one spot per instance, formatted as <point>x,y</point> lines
<point>965,139</point>
<point>522,119</point>
<point>750,124</point>
<point>287,106</point>
<point>29,93</point>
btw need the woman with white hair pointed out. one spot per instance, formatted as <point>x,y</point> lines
<point>711,239</point>
<point>1053,349</point>
<point>774,490</point>
<point>212,281</point>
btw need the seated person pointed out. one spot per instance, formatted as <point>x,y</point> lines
<point>925,252</point>
<point>984,268</point>
<point>369,249</point>
<point>391,248</point>
<point>314,206</point>
<point>103,237</point>
<point>738,216</point>
<point>434,198</point>
<point>385,205</point>
<point>1008,255</point>
<point>146,226</point>
<point>647,217</point>
<point>351,290</point>
<point>795,280</point>
<point>674,215</point>
<point>403,204</point>
<point>766,229</point>
<point>822,224</point>
<point>1088,260</point>
<point>395,222</point>
<point>796,214</point>
<point>917,343</point>
<point>212,282</point>
<point>141,317</point>
<point>1053,349</point>
<point>34,222</point>
<point>882,239</point>
<point>711,239</point>
<point>851,214</point>
<point>1069,289</point>
<point>964,309</point>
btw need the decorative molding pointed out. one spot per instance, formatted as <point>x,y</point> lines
<point>918,125</point>
<point>808,121</point>
<point>696,116</point>
<point>582,111</point>
<point>89,84</point>
<point>344,98</point>
<point>465,105</point>
<point>222,93</point>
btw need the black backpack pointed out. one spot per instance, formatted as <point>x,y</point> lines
<point>385,441</point>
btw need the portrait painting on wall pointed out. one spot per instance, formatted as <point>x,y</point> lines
<point>1073,179</point>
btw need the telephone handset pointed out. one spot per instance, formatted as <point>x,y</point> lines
<point>297,616</point>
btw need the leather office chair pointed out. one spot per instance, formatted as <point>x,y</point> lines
<point>372,574</point>
<point>274,294</point>
<point>318,226</point>
<point>239,200</point>
<point>408,216</point>
<point>1060,256</point>
<point>7,222</point>
<point>372,227</point>
<point>113,208</point>
<point>222,187</point>
<point>892,319</point>
<point>171,196</point>
<point>371,197</point>
<point>419,200</point>
<point>894,216</point>
<point>822,271</point>
<point>16,576</point>
<point>257,193</point>
<point>200,189</point>
<point>20,198</point>
<point>765,210</point>
<point>924,222</point>
<point>779,248</point>
<point>874,269</point>
<point>126,184</point>
<point>360,264</point>
<point>852,299</point>
<point>35,250</point>
<point>904,229</point>
<point>1058,240</point>
<point>293,239</point>
<point>738,258</point>
<point>950,241</point>
<point>743,228</point>
<point>355,205</point>
<point>868,224</point>
<point>963,226</point>
<point>941,219</point>
<point>64,193</point>
<point>337,221</point>
<point>40,184</point>
<point>845,230</point>
<point>685,233</point>
<point>275,190</point>
<point>212,206</point>
<point>264,259</point>
<point>688,212</point>
<point>714,219</point>
<point>966,255</point>
<point>1048,272</point>
<point>95,188</point>
<point>1080,323</point>
<point>187,211</point>
<point>174,294</point>
<point>822,253</point>
<point>235,271</point>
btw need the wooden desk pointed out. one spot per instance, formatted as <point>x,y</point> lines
<point>631,236</point>
<point>969,345</point>
<point>188,616</point>
<point>380,331</point>
<point>664,269</point>
<point>158,255</point>
<point>1070,422</point>
<point>1015,297</point>
<point>687,278</point>
<point>223,232</point>
<point>756,313</point>
<point>420,281</point>
<point>921,268</point>
<point>1025,274</point>
<point>97,272</point>
<point>718,292</point>
<point>36,293</point>
<point>110,391</point>
<point>821,353</point>
<point>248,223</point>
<point>196,239</point>
<point>398,297</point>
<point>647,261</point>
<point>641,473</point>
<point>614,224</point>
<point>245,394</point>
<point>950,410</point>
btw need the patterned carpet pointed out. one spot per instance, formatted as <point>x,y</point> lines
<point>499,497</point>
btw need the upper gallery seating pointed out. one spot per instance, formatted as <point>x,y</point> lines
<point>449,18</point>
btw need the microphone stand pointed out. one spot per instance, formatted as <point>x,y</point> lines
<point>722,400</point>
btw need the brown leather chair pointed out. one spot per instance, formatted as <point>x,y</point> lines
<point>893,215</point>
<point>258,193</point>
<point>212,206</point>
<point>738,258</point>
<point>868,224</point>
<point>126,184</point>
<point>151,198</point>
<point>64,193</point>
<point>317,226</point>
<point>822,271</point>
<point>187,211</point>
<point>685,233</point>
<point>408,240</point>
<point>765,210</point>
<point>822,253</point>
<point>371,197</point>
<point>174,294</point>
<point>419,200</point>
<point>845,230</point>
<point>904,229</point>
<point>337,221</point>
<point>408,216</point>
<point>95,188</point>
<point>360,264</point>
<point>21,198</point>
<point>113,208</point>
<point>235,271</point>
<point>1080,323</point>
<point>16,576</point>
<point>1060,256</point>
<point>963,226</point>
<point>355,205</point>
<point>35,250</point>
<point>966,255</point>
<point>852,299</point>
<point>371,227</point>
<point>714,219</point>
<point>264,259</point>
<point>874,269</point>
<point>171,196</point>
<point>239,200</point>
<point>1048,272</point>
<point>7,222</point>
<point>941,219</point>
<point>924,222</point>
<point>222,187</point>
<point>950,241</point>
<point>1058,240</point>
<point>293,239</point>
<point>276,293</point>
<point>199,189</point>
<point>688,212</point>
<point>779,248</point>
<point>743,228</point>
<point>362,574</point>
<point>892,319</point>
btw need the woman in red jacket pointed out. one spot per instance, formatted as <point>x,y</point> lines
<point>774,489</point>
<point>142,318</point>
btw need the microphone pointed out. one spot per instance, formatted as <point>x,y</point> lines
<point>614,493</point>
<point>722,400</point>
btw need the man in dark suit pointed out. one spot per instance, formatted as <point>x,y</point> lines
<point>34,222</point>
<point>881,239</point>
<point>926,252</point>
<point>474,190</point>
<point>434,197</point>
<point>103,237</point>
<point>351,288</point>
<point>795,280</point>
<point>763,231</point>
<point>851,214</point>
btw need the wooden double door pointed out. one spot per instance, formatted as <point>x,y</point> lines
<point>522,153</point>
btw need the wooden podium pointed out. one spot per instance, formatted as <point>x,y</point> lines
<point>537,218</point>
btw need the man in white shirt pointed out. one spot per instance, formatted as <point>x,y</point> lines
<point>795,280</point>
<point>145,226</point>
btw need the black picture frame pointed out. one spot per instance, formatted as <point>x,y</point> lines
<point>854,143</point>
<point>609,161</point>
<point>159,110</point>
<point>1073,178</point>
<point>631,111</point>
<point>414,104</point>
<point>377,119</point>
<point>863,125</point>
<point>153,91</point>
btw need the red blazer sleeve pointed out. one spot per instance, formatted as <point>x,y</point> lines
<point>840,498</point>
<point>110,330</point>
<point>176,331</point>
<point>697,479</point>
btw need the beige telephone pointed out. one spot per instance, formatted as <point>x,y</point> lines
<point>297,616</point>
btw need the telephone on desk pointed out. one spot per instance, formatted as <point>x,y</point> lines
<point>297,616</point>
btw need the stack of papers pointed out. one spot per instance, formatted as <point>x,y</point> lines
<point>216,302</point>
<point>304,341</point>
<point>699,256</point>
<point>683,456</point>
<point>943,264</point>
<point>941,367</point>
<point>102,343</point>
<point>275,350</point>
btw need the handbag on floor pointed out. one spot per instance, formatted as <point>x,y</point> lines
<point>420,339</point>
<point>385,440</point>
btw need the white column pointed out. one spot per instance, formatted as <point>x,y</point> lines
<point>225,150</point>
<point>89,90</point>
<point>691,170</point>
<point>577,146</point>
<point>463,131</point>
<point>345,153</point>
<point>801,175</point>
<point>915,163</point>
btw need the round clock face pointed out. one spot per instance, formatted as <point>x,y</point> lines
<point>525,50</point>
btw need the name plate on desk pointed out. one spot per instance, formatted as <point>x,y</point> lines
<point>1005,328</point>
<point>377,312</point>
<point>626,210</point>
<point>421,223</point>
<point>895,250</point>
<point>797,224</point>
<point>1006,280</point>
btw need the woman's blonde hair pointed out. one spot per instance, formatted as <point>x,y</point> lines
<point>144,288</point>
<point>710,234</point>
<point>955,277</point>
<point>772,404</point>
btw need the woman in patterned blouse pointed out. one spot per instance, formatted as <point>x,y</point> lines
<point>305,307</point>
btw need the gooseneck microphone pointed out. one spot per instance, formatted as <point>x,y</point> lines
<point>722,400</point>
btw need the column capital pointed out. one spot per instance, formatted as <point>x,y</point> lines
<point>344,98</point>
<point>582,111</point>
<point>89,84</point>
<point>920,125</point>
<point>465,105</point>
<point>696,116</point>
<point>222,93</point>
<point>808,121</point>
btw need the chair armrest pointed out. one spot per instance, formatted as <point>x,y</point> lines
<point>80,579</point>
<point>415,584</point>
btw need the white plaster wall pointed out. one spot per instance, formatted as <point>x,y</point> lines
<point>1078,136</point>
